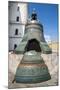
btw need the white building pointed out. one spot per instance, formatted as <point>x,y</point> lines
<point>18,13</point>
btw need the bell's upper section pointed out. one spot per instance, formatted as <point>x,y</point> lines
<point>33,23</point>
<point>33,20</point>
<point>34,15</point>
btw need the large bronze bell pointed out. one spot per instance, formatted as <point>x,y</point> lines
<point>32,68</point>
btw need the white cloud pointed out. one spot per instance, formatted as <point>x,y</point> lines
<point>47,38</point>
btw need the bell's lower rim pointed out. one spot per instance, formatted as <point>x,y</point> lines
<point>33,79</point>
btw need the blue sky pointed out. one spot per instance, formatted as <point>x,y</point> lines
<point>48,16</point>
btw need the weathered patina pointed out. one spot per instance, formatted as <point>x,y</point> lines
<point>33,31</point>
<point>32,68</point>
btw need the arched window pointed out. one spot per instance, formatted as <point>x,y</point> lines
<point>17,18</point>
<point>15,45</point>
<point>16,32</point>
<point>18,8</point>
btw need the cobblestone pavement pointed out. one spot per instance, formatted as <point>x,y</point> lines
<point>51,60</point>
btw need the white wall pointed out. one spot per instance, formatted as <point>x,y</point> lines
<point>22,13</point>
<point>12,29</point>
<point>13,41</point>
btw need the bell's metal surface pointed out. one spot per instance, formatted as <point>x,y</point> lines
<point>33,30</point>
<point>32,68</point>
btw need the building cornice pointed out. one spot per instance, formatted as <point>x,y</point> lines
<point>17,23</point>
<point>17,2</point>
<point>15,37</point>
